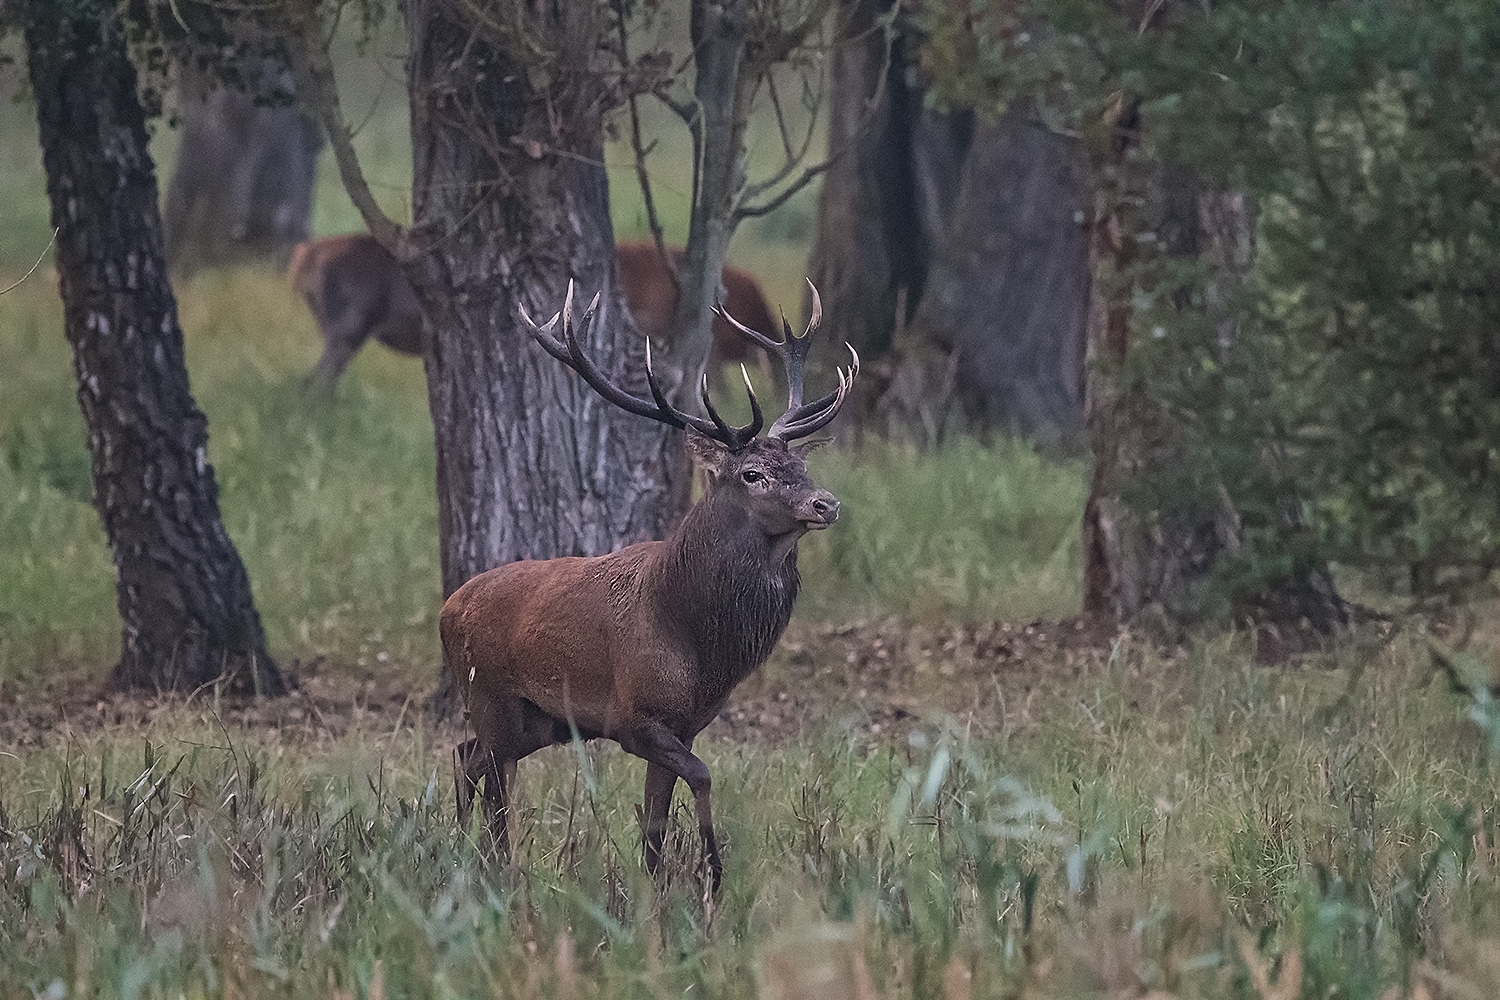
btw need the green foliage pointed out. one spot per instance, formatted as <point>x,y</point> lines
<point>1345,390</point>
<point>1369,356</point>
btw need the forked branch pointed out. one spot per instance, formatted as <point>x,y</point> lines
<point>307,54</point>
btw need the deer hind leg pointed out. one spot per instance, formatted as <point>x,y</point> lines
<point>664,751</point>
<point>338,350</point>
<point>467,770</point>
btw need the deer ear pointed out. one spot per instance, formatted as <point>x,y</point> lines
<point>801,448</point>
<point>708,453</point>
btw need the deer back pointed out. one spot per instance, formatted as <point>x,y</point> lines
<point>356,290</point>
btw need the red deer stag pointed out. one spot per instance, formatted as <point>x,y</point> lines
<point>356,291</point>
<point>643,646</point>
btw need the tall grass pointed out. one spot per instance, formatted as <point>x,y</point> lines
<point>1180,825</point>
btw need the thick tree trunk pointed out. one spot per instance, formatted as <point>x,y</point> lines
<point>1143,567</point>
<point>243,185</point>
<point>511,201</point>
<point>871,249</point>
<point>964,230</point>
<point>183,592</point>
<point>1008,291</point>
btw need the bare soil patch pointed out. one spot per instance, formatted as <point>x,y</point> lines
<point>872,676</point>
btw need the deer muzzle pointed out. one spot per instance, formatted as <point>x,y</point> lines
<point>821,510</point>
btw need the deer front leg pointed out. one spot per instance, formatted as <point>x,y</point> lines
<point>499,777</point>
<point>467,770</point>
<point>660,781</point>
<point>661,747</point>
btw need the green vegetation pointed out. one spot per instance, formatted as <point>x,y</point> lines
<point>1338,386</point>
<point>1140,824</point>
<point>915,801</point>
<point>331,505</point>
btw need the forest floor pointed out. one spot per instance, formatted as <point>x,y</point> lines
<point>873,676</point>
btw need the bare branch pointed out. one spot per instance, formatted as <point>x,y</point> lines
<point>686,110</point>
<point>786,139</point>
<point>747,211</point>
<point>643,178</point>
<point>18,282</point>
<point>792,158</point>
<point>313,70</point>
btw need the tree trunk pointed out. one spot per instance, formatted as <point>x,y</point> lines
<point>510,201</point>
<point>1008,290</point>
<point>1146,568</point>
<point>870,250</point>
<point>969,231</point>
<point>183,592</point>
<point>243,186</point>
<point>718,30</point>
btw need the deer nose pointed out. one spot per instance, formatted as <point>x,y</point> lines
<point>826,507</point>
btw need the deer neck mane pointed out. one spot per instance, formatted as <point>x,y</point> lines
<point>730,587</point>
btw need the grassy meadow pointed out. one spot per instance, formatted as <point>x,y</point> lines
<point>929,791</point>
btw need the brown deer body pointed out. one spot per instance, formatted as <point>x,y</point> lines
<point>357,291</point>
<point>651,296</point>
<point>642,646</point>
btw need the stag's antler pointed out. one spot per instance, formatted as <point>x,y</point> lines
<point>658,407</point>
<point>800,419</point>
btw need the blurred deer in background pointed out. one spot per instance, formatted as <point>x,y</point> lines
<point>651,295</point>
<point>356,291</point>
<point>644,645</point>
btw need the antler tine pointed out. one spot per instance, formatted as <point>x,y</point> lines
<point>756,417</point>
<point>569,352</point>
<point>754,336</point>
<point>791,349</point>
<point>802,419</point>
<point>814,416</point>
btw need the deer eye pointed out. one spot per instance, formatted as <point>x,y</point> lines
<point>752,476</point>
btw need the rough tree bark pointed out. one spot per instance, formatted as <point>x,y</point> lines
<point>969,224</point>
<point>1008,289</point>
<point>1141,567</point>
<point>510,201</point>
<point>243,185</point>
<point>1146,568</point>
<point>183,593</point>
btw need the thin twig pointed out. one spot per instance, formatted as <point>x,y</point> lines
<point>643,177</point>
<point>745,211</point>
<point>792,160</point>
<point>786,140</point>
<point>38,264</point>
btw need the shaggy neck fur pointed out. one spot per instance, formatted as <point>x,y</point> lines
<point>730,587</point>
